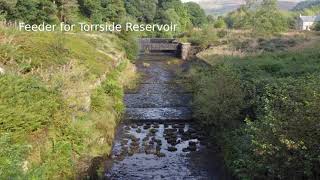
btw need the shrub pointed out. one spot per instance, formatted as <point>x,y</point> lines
<point>277,95</point>
<point>130,44</point>
<point>203,38</point>
<point>218,99</point>
<point>286,131</point>
<point>220,23</point>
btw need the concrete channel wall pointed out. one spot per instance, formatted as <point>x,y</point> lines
<point>149,45</point>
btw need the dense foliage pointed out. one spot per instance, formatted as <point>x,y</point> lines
<point>185,15</point>
<point>266,113</point>
<point>197,15</point>
<point>263,17</point>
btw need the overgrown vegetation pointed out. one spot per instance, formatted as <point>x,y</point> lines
<point>61,99</point>
<point>263,111</point>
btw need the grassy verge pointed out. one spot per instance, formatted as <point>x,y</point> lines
<point>61,99</point>
<point>263,110</point>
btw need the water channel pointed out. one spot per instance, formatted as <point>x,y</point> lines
<point>158,139</point>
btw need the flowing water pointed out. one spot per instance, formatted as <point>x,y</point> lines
<point>158,139</point>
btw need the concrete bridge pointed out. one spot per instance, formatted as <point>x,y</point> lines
<point>173,46</point>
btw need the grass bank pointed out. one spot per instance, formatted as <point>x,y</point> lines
<point>61,99</point>
<point>263,110</point>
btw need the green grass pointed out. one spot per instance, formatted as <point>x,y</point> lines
<point>46,50</point>
<point>26,104</point>
<point>51,79</point>
<point>29,109</point>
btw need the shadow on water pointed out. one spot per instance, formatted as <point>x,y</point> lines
<point>158,139</point>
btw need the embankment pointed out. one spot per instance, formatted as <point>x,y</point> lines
<point>61,99</point>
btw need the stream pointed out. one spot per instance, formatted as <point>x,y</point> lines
<point>158,139</point>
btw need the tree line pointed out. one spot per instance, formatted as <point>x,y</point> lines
<point>185,15</point>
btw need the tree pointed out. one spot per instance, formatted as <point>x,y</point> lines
<point>196,13</point>
<point>142,10</point>
<point>268,18</point>
<point>26,11</point>
<point>184,21</point>
<point>66,9</point>
<point>261,16</point>
<point>47,11</point>
<point>220,23</point>
<point>91,8</point>
<point>113,10</point>
<point>7,8</point>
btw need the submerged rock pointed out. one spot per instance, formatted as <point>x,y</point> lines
<point>158,147</point>
<point>153,131</point>
<point>181,131</point>
<point>160,154</point>
<point>185,150</point>
<point>172,149</point>
<point>134,126</point>
<point>134,139</point>
<point>146,127</point>
<point>138,130</point>
<point>135,144</point>
<point>192,146</point>
<point>128,136</point>
<point>156,125</point>
<point>158,141</point>
<point>124,142</point>
<point>192,143</point>
<point>145,139</point>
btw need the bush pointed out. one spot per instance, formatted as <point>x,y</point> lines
<point>218,99</point>
<point>277,96</point>
<point>285,132</point>
<point>130,44</point>
<point>220,23</point>
<point>203,38</point>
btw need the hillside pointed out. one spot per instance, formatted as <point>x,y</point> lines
<point>220,7</point>
<point>61,99</point>
<point>306,4</point>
